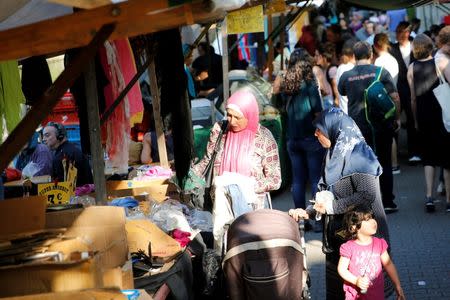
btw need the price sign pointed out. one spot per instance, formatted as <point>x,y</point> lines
<point>56,193</point>
<point>246,20</point>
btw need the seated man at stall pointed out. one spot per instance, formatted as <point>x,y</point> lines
<point>55,137</point>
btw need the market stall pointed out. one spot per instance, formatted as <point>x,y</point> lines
<point>139,236</point>
<point>78,249</point>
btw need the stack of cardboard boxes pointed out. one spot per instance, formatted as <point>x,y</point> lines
<point>93,248</point>
<point>94,245</point>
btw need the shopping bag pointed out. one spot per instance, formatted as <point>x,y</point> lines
<point>442,94</point>
<point>199,187</point>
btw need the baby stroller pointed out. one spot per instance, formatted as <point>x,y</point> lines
<point>265,257</point>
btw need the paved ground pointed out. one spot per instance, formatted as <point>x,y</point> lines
<point>420,241</point>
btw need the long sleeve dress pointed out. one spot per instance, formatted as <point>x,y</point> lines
<point>265,161</point>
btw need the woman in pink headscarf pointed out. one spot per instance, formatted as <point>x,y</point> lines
<point>247,148</point>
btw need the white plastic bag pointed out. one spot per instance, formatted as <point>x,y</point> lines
<point>228,4</point>
<point>30,169</point>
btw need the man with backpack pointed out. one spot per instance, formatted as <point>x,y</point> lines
<point>374,104</point>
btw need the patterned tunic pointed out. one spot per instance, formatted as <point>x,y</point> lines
<point>265,161</point>
<point>358,189</point>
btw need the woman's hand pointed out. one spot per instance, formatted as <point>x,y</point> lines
<point>298,213</point>
<point>320,207</point>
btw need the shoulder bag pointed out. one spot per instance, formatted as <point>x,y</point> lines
<point>442,94</point>
<point>199,187</point>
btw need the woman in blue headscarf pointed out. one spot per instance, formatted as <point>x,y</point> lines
<point>350,178</point>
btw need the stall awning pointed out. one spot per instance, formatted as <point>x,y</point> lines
<point>388,4</point>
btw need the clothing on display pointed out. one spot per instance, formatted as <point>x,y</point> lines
<point>36,78</point>
<point>118,63</point>
<point>11,96</point>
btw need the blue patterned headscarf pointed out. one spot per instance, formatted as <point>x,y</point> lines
<point>349,152</point>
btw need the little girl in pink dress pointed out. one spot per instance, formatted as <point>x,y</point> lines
<point>363,258</point>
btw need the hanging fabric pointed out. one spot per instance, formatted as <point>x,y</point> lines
<point>11,96</point>
<point>118,62</point>
<point>36,78</point>
<point>244,51</point>
<point>127,67</point>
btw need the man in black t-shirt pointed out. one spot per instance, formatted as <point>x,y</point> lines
<point>352,84</point>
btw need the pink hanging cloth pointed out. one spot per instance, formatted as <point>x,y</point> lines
<point>118,62</point>
<point>128,67</point>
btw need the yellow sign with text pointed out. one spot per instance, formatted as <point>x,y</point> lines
<point>246,20</point>
<point>276,6</point>
<point>57,193</point>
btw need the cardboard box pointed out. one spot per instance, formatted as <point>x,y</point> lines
<point>94,294</point>
<point>141,232</point>
<point>102,228</point>
<point>158,189</point>
<point>50,277</point>
<point>120,277</point>
<point>22,215</point>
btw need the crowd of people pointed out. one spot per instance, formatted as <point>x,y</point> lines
<point>346,60</point>
<point>355,180</point>
<point>348,158</point>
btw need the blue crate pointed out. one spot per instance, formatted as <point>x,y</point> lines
<point>73,133</point>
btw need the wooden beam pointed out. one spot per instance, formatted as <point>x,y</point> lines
<point>20,135</point>
<point>133,17</point>
<point>282,38</point>
<point>85,4</point>
<point>270,46</point>
<point>225,66</point>
<point>198,40</point>
<point>95,133</point>
<point>156,103</point>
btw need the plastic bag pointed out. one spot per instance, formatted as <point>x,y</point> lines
<point>193,187</point>
<point>85,200</point>
<point>30,169</point>
<point>228,4</point>
<point>201,220</point>
<point>169,216</point>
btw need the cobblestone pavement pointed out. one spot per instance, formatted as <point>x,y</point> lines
<point>420,241</point>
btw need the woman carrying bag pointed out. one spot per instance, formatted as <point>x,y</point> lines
<point>423,79</point>
<point>247,151</point>
<point>350,177</point>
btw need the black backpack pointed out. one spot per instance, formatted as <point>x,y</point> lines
<point>379,107</point>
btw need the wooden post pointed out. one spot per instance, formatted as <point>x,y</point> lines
<point>98,163</point>
<point>156,103</point>
<point>226,82</point>
<point>270,45</point>
<point>282,38</point>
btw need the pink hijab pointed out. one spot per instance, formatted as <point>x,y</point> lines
<point>239,146</point>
